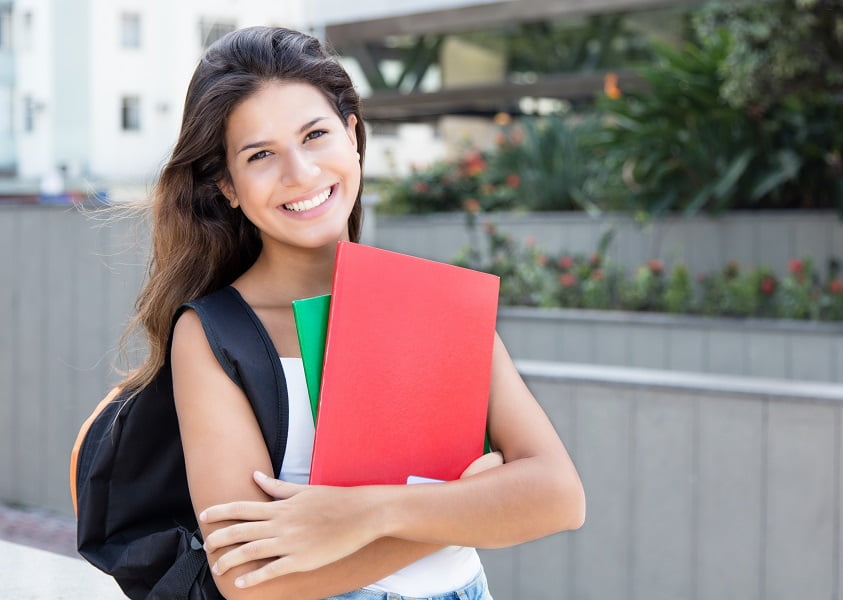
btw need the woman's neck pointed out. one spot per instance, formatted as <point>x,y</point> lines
<point>281,275</point>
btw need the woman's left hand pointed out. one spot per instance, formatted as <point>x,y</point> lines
<point>308,527</point>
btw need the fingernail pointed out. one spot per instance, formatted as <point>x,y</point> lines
<point>215,569</point>
<point>203,515</point>
<point>240,582</point>
<point>260,476</point>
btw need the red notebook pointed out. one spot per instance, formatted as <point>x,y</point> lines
<point>405,383</point>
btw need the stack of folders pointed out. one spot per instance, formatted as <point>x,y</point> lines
<point>398,361</point>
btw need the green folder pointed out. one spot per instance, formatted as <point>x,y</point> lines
<point>311,315</point>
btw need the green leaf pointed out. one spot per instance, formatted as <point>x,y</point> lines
<point>787,168</point>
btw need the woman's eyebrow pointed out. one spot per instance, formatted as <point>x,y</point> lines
<point>302,129</point>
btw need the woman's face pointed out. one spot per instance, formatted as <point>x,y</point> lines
<point>293,164</point>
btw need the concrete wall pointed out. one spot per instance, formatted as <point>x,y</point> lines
<point>697,487</point>
<point>704,244</point>
<point>753,347</point>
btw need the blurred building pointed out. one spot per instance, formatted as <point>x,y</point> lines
<point>92,90</point>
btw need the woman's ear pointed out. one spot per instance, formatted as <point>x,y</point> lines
<point>224,185</point>
<point>351,130</point>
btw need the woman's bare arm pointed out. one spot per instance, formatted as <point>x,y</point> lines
<point>536,493</point>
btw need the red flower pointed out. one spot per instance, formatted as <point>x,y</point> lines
<point>567,280</point>
<point>796,268</point>
<point>566,262</point>
<point>513,180</point>
<point>472,205</point>
<point>656,266</point>
<point>595,261</point>
<point>835,286</point>
<point>768,285</point>
<point>421,187</point>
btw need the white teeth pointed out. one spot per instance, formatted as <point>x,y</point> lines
<point>308,204</point>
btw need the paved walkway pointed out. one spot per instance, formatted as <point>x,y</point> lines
<point>38,529</point>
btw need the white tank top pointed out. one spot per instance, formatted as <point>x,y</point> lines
<point>448,569</point>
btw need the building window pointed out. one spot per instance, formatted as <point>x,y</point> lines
<point>211,31</point>
<point>130,30</point>
<point>130,113</point>
<point>5,27</point>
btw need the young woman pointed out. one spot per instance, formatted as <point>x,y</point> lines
<point>264,180</point>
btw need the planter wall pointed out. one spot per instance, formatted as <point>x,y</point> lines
<point>704,244</point>
<point>759,348</point>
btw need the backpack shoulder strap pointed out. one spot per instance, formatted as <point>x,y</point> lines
<point>245,351</point>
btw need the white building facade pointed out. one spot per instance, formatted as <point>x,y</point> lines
<point>94,89</point>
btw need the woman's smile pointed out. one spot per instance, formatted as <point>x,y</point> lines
<point>308,206</point>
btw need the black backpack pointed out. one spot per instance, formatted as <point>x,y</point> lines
<point>135,520</point>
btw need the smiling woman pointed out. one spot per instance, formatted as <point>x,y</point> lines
<point>263,183</point>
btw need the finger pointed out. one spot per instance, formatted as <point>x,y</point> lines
<point>236,511</point>
<point>282,566</point>
<point>484,463</point>
<point>257,550</point>
<point>277,488</point>
<point>238,533</point>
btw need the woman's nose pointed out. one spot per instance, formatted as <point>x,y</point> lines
<point>298,169</point>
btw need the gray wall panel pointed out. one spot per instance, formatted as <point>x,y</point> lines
<point>731,497</point>
<point>603,557</point>
<point>801,500</point>
<point>663,496</point>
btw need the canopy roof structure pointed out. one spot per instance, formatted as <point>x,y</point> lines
<point>366,41</point>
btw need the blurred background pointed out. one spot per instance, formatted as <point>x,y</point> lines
<point>658,183</point>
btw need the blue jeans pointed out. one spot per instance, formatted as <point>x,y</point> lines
<point>477,589</point>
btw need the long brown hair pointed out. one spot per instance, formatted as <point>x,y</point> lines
<point>199,243</point>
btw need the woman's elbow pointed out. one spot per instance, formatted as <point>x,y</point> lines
<point>569,502</point>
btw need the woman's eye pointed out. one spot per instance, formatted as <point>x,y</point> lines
<point>259,155</point>
<point>315,134</point>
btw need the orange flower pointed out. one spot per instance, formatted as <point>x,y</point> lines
<point>503,119</point>
<point>513,180</point>
<point>835,286</point>
<point>472,205</point>
<point>474,164</point>
<point>610,86</point>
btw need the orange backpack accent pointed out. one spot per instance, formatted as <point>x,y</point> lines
<point>74,454</point>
